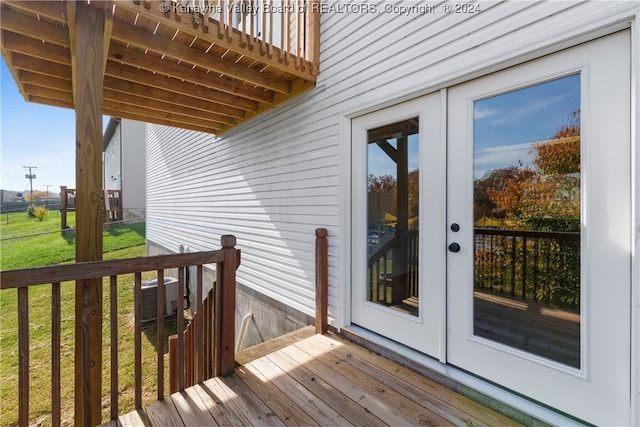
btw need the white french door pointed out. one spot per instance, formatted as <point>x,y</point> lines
<point>397,194</point>
<point>539,180</point>
<point>491,227</point>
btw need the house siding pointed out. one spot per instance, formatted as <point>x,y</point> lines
<point>124,166</point>
<point>275,179</point>
<point>133,165</point>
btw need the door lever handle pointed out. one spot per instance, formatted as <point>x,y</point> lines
<point>454,247</point>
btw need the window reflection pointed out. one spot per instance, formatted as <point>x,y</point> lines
<point>527,219</point>
<point>392,216</point>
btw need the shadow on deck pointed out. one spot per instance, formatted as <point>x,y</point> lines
<point>314,379</point>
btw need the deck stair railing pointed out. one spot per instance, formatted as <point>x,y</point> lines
<point>56,278</point>
<point>392,271</point>
<point>529,265</point>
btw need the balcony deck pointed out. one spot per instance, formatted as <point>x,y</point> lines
<point>316,380</point>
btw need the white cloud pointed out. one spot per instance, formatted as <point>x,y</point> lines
<point>480,113</point>
<point>526,110</point>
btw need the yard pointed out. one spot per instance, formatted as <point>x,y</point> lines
<point>46,245</point>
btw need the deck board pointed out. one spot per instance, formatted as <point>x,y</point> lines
<point>318,380</point>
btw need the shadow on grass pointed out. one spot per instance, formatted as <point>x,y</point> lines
<point>150,330</point>
<point>118,229</point>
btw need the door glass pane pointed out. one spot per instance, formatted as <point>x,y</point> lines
<point>392,216</point>
<point>527,219</point>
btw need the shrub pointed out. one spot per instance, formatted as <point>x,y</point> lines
<point>40,213</point>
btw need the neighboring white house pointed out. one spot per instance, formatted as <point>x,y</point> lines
<point>455,91</point>
<point>123,164</point>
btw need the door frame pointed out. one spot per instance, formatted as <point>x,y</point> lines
<point>342,316</point>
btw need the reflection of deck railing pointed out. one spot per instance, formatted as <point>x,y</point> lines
<point>530,265</point>
<point>393,270</point>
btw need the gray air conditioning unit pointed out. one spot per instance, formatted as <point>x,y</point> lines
<point>150,295</point>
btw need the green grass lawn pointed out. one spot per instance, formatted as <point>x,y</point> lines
<point>47,245</point>
<point>120,241</point>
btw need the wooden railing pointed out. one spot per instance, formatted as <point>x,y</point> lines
<point>221,346</point>
<point>529,265</point>
<point>393,269</point>
<point>111,206</point>
<point>286,28</point>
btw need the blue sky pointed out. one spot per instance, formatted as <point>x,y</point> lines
<point>34,135</point>
<point>506,125</point>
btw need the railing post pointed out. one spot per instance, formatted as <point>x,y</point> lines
<point>226,280</point>
<point>322,280</point>
<point>313,51</point>
<point>63,209</point>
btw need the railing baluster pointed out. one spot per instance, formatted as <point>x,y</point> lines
<point>199,326</point>
<point>180,328</point>
<point>113,315</point>
<point>513,267</point>
<point>160,302</point>
<point>55,354</point>
<point>201,347</point>
<point>524,267</point>
<point>137,298</point>
<point>23,356</point>
<point>536,250</point>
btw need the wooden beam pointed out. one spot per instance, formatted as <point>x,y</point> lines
<point>388,149</point>
<point>30,26</point>
<point>71,18</point>
<point>154,94</point>
<point>134,57</point>
<point>138,37</point>
<point>297,87</point>
<point>107,6</point>
<point>162,106</point>
<point>166,115</point>
<point>41,66</point>
<point>147,78</point>
<point>88,81</point>
<point>8,57</point>
<point>232,42</point>
<point>54,10</point>
<point>48,92</point>
<point>36,48</point>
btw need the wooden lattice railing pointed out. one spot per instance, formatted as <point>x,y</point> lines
<point>222,331</point>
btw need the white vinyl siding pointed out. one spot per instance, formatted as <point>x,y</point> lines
<point>134,181</point>
<point>275,179</point>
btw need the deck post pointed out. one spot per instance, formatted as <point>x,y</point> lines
<point>224,345</point>
<point>322,280</point>
<point>86,28</point>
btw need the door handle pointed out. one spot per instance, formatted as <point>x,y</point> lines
<point>454,247</point>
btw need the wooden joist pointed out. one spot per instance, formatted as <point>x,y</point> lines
<point>179,68</point>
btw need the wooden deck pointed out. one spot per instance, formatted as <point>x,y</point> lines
<point>318,380</point>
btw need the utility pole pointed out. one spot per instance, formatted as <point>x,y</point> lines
<point>48,185</point>
<point>30,176</point>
